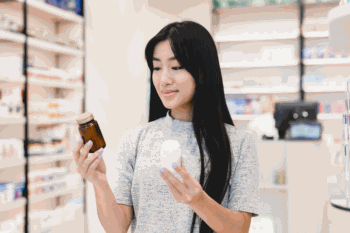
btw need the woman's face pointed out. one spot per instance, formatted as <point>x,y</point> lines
<point>169,76</point>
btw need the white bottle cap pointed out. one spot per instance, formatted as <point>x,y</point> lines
<point>171,152</point>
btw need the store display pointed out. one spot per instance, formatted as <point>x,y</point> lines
<point>11,149</point>
<point>13,225</point>
<point>52,142</point>
<point>9,24</point>
<point>90,130</point>
<point>244,106</point>
<point>314,81</point>
<point>320,53</point>
<point>273,54</point>
<point>11,102</point>
<point>44,33</point>
<point>47,175</point>
<point>225,4</point>
<point>53,108</point>
<point>11,191</point>
<point>45,220</point>
<point>11,66</point>
<point>249,84</point>
<point>51,73</point>
<point>53,3</point>
<point>55,83</point>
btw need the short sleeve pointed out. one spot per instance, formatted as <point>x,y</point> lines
<point>244,184</point>
<point>123,163</point>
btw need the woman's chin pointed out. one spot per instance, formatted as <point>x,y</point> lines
<point>169,106</point>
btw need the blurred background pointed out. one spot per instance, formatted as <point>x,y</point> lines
<point>60,58</point>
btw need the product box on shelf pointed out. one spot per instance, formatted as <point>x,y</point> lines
<point>11,191</point>
<point>11,102</point>
<point>53,2</point>
<point>10,24</point>
<point>47,73</point>
<point>47,175</point>
<point>75,6</point>
<point>63,4</point>
<point>242,106</point>
<point>37,148</point>
<point>19,189</point>
<point>11,149</point>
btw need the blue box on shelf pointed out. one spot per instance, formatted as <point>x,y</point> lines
<point>63,4</point>
<point>75,6</point>
<point>79,6</point>
<point>19,189</point>
<point>52,2</point>
<point>240,106</point>
<point>320,52</point>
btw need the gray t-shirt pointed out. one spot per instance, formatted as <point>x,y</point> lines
<point>139,184</point>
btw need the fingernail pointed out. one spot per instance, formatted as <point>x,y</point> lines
<point>99,156</point>
<point>80,140</point>
<point>174,165</point>
<point>89,143</point>
<point>161,171</point>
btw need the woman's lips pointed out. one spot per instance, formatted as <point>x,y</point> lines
<point>170,94</point>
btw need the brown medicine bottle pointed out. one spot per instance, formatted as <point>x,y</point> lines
<point>89,130</point>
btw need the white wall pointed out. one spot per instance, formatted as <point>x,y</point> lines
<point>116,71</point>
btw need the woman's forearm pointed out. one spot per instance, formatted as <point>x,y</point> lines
<point>110,214</point>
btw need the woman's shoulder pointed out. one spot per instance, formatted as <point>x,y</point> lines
<point>238,135</point>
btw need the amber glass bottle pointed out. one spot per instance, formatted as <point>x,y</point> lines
<point>89,130</point>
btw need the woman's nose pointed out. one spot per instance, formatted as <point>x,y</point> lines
<point>166,77</point>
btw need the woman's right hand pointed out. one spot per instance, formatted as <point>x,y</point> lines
<point>91,167</point>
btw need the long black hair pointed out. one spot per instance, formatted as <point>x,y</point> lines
<point>195,50</point>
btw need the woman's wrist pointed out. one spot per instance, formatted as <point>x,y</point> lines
<point>102,182</point>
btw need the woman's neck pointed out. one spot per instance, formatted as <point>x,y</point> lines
<point>182,115</point>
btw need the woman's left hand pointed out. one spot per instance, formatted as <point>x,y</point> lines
<point>189,192</point>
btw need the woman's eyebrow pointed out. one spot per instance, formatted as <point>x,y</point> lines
<point>169,59</point>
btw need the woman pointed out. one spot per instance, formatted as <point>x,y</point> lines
<point>218,177</point>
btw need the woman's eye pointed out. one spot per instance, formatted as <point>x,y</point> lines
<point>177,68</point>
<point>156,68</point>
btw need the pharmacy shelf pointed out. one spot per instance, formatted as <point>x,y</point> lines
<point>12,120</point>
<point>255,37</point>
<point>54,83</point>
<point>50,158</point>
<point>324,89</point>
<point>42,44</point>
<point>266,36</point>
<point>52,13</point>
<point>11,36</point>
<point>7,163</point>
<point>316,34</point>
<point>262,90</point>
<point>326,61</point>
<point>271,8</point>
<point>41,184</point>
<point>34,120</point>
<point>329,116</point>
<point>13,79</point>
<point>43,197</point>
<point>20,202</point>
<point>258,64</point>
<point>320,116</point>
